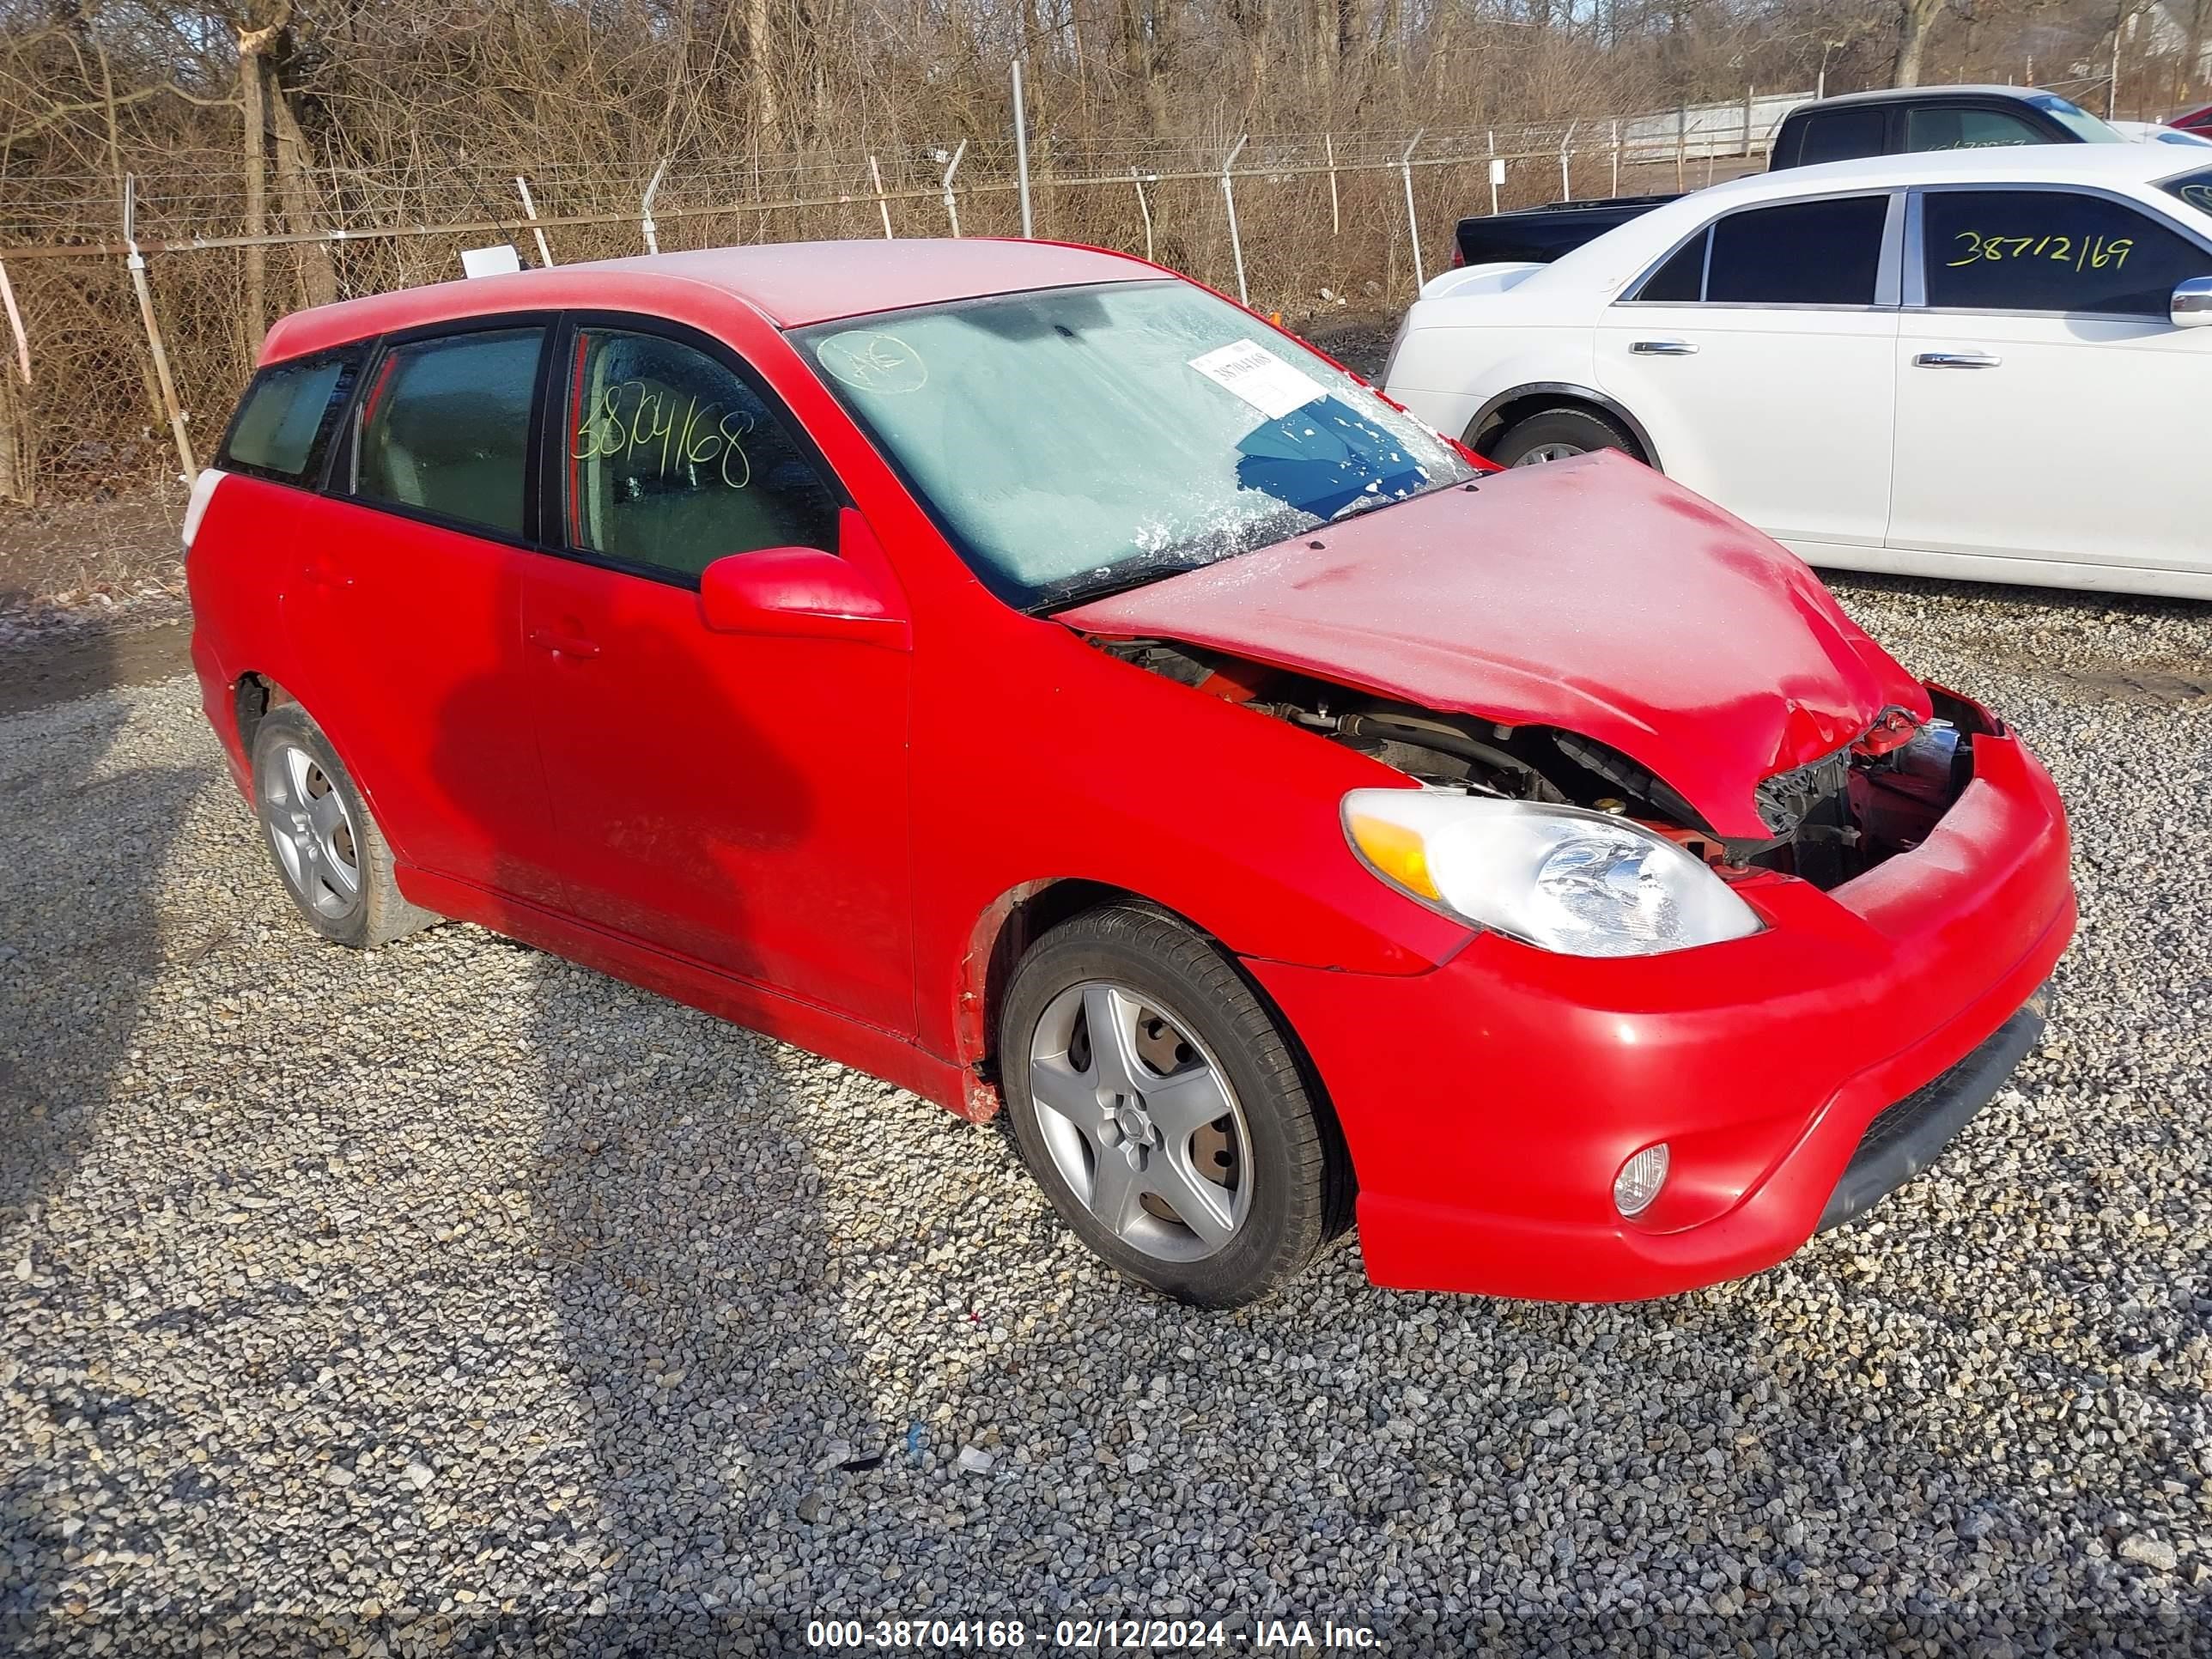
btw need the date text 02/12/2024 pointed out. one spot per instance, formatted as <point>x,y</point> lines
<point>1090,1635</point>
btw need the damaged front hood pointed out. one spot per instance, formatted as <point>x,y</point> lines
<point>1589,594</point>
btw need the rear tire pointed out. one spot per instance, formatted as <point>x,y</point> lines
<point>334,862</point>
<point>1183,1146</point>
<point>1555,433</point>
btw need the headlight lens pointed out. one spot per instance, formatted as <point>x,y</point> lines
<point>1577,882</point>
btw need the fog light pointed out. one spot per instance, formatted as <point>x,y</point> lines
<point>1639,1180</point>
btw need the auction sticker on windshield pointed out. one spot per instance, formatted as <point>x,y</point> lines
<point>1259,377</point>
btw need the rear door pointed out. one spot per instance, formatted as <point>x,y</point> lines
<point>405,623</point>
<point>1759,356</point>
<point>2047,406</point>
<point>737,799</point>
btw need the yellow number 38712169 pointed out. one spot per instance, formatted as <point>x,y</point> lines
<point>2079,253</point>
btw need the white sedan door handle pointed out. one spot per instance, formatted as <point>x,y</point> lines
<point>1663,349</point>
<point>1957,360</point>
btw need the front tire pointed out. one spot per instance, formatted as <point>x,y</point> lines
<point>1555,433</point>
<point>332,859</point>
<point>1162,1112</point>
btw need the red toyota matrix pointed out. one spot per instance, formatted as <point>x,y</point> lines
<point>1021,673</point>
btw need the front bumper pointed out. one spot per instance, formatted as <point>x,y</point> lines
<point>1489,1103</point>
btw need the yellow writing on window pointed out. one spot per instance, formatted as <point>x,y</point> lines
<point>2077,254</point>
<point>649,425</point>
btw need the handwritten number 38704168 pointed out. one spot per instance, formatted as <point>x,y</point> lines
<point>2088,253</point>
<point>689,433</point>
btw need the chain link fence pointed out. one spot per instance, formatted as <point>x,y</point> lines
<point>1299,223</point>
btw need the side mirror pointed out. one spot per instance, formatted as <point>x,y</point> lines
<point>2192,303</point>
<point>800,593</point>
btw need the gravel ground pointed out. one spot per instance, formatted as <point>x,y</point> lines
<point>453,1297</point>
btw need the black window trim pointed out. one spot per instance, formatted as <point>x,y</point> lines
<point>326,441</point>
<point>548,421</point>
<point>340,488</point>
<point>1915,268</point>
<point>1888,272</point>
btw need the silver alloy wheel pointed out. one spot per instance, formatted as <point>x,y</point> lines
<point>1550,452</point>
<point>311,831</point>
<point>1141,1121</point>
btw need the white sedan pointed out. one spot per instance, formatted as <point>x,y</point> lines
<point>1979,363</point>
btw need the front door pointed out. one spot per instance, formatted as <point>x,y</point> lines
<point>2047,407</point>
<point>1760,359</point>
<point>739,800</point>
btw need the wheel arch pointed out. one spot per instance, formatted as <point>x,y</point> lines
<point>1502,409</point>
<point>1023,914</point>
<point>255,695</point>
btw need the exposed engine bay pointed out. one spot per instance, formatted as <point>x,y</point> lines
<point>1829,820</point>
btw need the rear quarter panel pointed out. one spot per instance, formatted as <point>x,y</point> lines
<point>239,566</point>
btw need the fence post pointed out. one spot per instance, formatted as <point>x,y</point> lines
<point>644,210</point>
<point>952,204</point>
<point>529,207</point>
<point>15,324</point>
<point>1229,198</point>
<point>876,172</point>
<point>1335,216</point>
<point>1022,152</point>
<point>1413,221</point>
<point>137,265</point>
<point>1750,93</point>
<point>1681,142</point>
<point>1489,137</point>
<point>1144,208</point>
<point>1566,184</point>
<point>1615,191</point>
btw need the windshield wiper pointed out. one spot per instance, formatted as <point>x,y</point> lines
<point>1120,580</point>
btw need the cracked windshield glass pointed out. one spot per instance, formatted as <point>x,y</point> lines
<point>1073,441</point>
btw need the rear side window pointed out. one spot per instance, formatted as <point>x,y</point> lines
<point>284,421</point>
<point>1842,135</point>
<point>2051,250</point>
<point>445,428</point>
<point>1802,253</point>
<point>1953,128</point>
<point>674,461</point>
<point>2195,188</point>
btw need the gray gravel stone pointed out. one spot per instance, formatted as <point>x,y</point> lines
<point>688,1330</point>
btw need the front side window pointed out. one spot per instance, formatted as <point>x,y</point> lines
<point>287,414</point>
<point>1802,253</point>
<point>2050,249</point>
<point>1842,135</point>
<point>1075,441</point>
<point>1683,276</point>
<point>674,461</point>
<point>1950,126</point>
<point>444,426</point>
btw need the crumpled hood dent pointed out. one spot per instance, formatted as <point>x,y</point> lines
<point>1589,594</point>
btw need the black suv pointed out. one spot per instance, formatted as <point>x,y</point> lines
<point>1931,117</point>
<point>1833,130</point>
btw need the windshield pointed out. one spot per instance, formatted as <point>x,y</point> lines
<point>1072,441</point>
<point>2194,188</point>
<point>2076,120</point>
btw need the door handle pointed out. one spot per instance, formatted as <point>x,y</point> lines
<point>1662,348</point>
<point>563,645</point>
<point>1957,360</point>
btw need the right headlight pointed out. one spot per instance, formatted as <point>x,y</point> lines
<point>1580,883</point>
